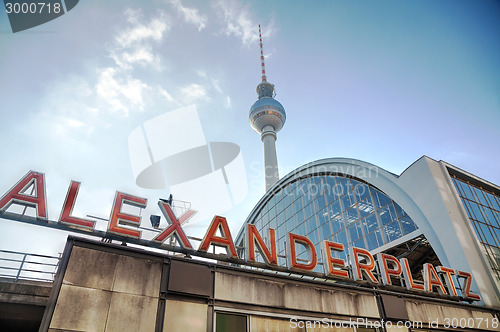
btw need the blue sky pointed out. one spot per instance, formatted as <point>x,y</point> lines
<point>381,81</point>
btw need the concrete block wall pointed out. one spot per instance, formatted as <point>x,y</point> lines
<point>102,291</point>
<point>104,287</point>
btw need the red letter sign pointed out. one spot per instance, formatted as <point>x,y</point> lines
<point>254,238</point>
<point>119,218</point>
<point>466,287</point>
<point>175,226</point>
<point>334,267</point>
<point>447,273</point>
<point>67,209</point>
<point>359,268</point>
<point>431,279</point>
<point>385,271</point>
<point>18,195</point>
<point>292,259</point>
<point>409,282</point>
<point>225,241</point>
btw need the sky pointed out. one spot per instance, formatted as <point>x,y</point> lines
<point>381,81</point>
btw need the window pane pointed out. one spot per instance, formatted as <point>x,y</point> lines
<point>337,223</point>
<point>346,185</point>
<point>393,231</point>
<point>370,223</point>
<point>493,202</point>
<point>385,215</point>
<point>487,234</point>
<point>361,191</point>
<point>477,212</point>
<point>365,207</point>
<point>467,207</point>
<point>311,224</point>
<point>347,201</point>
<point>374,240</point>
<point>490,219</point>
<point>341,237</point>
<point>322,216</point>
<point>320,203</point>
<point>466,190</point>
<point>480,196</point>
<point>334,209</point>
<point>407,225</point>
<point>325,231</point>
<point>351,215</point>
<point>380,199</point>
<point>354,232</point>
<point>399,211</point>
<point>308,211</point>
<point>288,200</point>
<point>228,322</point>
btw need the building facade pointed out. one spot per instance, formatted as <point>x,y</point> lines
<point>431,213</point>
<point>109,287</point>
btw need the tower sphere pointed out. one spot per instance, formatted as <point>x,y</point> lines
<point>266,111</point>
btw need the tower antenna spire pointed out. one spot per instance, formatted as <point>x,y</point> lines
<point>262,64</point>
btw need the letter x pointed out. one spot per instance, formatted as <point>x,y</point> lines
<point>175,225</point>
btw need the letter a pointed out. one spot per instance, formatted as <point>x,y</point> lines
<point>18,195</point>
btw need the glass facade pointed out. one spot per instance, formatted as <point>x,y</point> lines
<point>483,209</point>
<point>335,208</point>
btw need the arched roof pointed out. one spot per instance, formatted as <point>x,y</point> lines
<point>385,181</point>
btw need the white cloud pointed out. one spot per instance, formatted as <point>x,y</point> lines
<point>238,22</point>
<point>84,104</point>
<point>120,93</point>
<point>192,93</point>
<point>134,45</point>
<point>141,55</point>
<point>214,82</point>
<point>190,15</point>
<point>74,123</point>
<point>66,106</point>
<point>168,96</point>
<point>139,32</point>
<point>227,104</point>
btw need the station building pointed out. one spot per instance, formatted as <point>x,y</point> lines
<point>431,213</point>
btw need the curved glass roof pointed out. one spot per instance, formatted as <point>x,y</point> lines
<point>335,208</point>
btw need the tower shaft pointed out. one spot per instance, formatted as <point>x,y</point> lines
<point>270,157</point>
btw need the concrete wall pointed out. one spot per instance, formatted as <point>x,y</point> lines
<point>103,287</point>
<point>262,291</point>
<point>102,291</point>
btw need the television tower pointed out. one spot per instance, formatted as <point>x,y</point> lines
<point>267,117</point>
